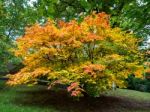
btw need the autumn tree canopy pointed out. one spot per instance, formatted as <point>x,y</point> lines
<point>129,15</point>
<point>87,57</point>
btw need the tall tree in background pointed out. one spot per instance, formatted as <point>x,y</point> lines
<point>15,15</point>
<point>132,15</point>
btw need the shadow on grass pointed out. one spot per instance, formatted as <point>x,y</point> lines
<point>61,101</point>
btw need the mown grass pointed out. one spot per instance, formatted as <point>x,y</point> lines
<point>132,94</point>
<point>39,99</point>
<point>11,100</point>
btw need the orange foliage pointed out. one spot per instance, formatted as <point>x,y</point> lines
<point>87,57</point>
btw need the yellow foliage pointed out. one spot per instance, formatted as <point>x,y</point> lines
<point>87,57</point>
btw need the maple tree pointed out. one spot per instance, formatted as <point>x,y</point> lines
<point>86,57</point>
<point>27,12</point>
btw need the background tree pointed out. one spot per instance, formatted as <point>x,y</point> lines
<point>132,15</point>
<point>14,17</point>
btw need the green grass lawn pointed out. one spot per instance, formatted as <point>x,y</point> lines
<point>39,99</point>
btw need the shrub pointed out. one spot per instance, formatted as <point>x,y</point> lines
<point>138,84</point>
